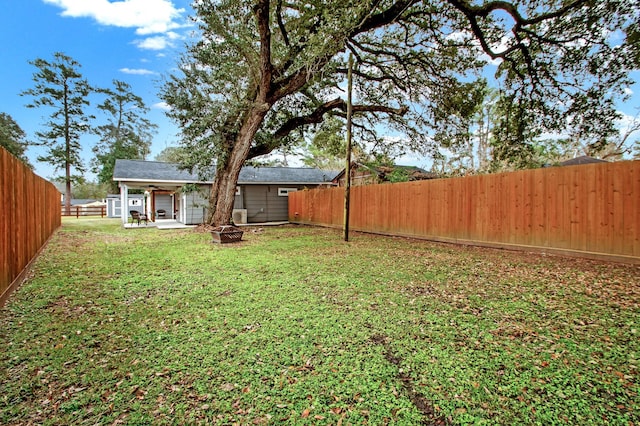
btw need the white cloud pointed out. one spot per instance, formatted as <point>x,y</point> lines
<point>627,121</point>
<point>628,91</point>
<point>146,16</point>
<point>159,42</point>
<point>154,43</point>
<point>173,35</point>
<point>137,71</point>
<point>162,105</point>
<point>464,36</point>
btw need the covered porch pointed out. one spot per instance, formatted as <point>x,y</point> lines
<point>162,204</point>
<point>166,196</point>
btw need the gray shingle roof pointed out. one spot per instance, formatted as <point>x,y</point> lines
<point>284,175</point>
<point>155,171</point>
<point>140,170</point>
<point>581,160</point>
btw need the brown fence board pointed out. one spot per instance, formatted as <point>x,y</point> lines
<point>31,215</point>
<point>631,210</point>
<point>591,209</point>
<point>5,223</point>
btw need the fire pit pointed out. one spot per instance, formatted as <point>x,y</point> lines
<point>226,234</point>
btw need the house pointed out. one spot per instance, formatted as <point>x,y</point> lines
<point>89,208</point>
<point>172,193</point>
<point>362,174</point>
<point>577,161</point>
<point>584,159</point>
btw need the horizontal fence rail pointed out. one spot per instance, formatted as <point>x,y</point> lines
<point>78,211</point>
<point>31,214</point>
<point>589,210</point>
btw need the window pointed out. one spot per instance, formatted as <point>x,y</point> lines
<point>284,192</point>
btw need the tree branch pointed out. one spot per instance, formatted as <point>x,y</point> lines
<point>262,16</point>
<point>383,18</point>
<point>316,116</point>
<point>283,30</point>
<point>300,77</point>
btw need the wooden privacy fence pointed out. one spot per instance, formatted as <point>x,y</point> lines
<point>30,214</point>
<point>589,210</point>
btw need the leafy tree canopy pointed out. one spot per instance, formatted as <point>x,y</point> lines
<point>127,134</point>
<point>12,138</point>
<point>171,154</point>
<point>263,69</point>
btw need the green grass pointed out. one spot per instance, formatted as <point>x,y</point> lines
<point>294,326</point>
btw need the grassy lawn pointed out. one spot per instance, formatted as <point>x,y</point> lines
<point>295,326</point>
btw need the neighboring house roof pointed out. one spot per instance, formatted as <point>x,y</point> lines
<point>413,172</point>
<point>91,204</point>
<point>158,172</point>
<point>82,201</point>
<point>585,159</point>
<point>117,196</point>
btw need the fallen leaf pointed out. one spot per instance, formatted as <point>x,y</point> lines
<point>139,393</point>
<point>164,372</point>
<point>306,413</point>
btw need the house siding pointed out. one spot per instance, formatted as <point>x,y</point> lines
<point>238,201</point>
<point>164,202</point>
<point>195,207</point>
<point>263,203</point>
<point>113,207</point>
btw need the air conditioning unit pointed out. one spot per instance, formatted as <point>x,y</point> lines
<point>239,216</point>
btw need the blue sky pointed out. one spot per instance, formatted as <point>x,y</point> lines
<point>136,41</point>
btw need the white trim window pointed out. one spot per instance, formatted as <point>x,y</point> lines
<point>284,192</point>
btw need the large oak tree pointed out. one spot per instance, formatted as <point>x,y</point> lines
<point>261,70</point>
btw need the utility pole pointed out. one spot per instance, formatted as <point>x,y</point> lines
<point>347,170</point>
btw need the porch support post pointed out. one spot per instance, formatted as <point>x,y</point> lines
<point>124,203</point>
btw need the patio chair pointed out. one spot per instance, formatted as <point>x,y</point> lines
<point>137,216</point>
<point>161,213</point>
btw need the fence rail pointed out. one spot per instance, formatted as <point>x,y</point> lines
<point>590,210</point>
<point>79,211</point>
<point>31,213</point>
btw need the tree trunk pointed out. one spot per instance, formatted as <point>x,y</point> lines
<point>67,197</point>
<point>223,189</point>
